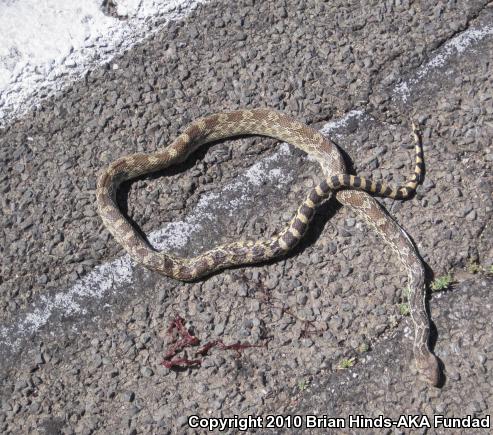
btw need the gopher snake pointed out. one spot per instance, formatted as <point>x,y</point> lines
<point>348,189</point>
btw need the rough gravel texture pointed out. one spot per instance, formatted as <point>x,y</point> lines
<point>100,372</point>
<point>373,387</point>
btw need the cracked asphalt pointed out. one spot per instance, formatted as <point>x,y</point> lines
<point>83,330</point>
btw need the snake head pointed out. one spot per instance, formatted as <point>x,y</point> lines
<point>429,369</point>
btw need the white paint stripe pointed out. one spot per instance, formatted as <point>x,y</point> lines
<point>110,277</point>
<point>103,279</point>
<point>455,46</point>
<point>332,128</point>
<point>45,44</point>
<point>337,128</point>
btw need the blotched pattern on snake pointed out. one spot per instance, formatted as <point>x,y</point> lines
<point>348,189</point>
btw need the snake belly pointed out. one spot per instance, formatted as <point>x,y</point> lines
<point>349,189</point>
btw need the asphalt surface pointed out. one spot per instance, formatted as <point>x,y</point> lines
<point>83,331</point>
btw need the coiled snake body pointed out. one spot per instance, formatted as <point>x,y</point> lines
<point>348,189</point>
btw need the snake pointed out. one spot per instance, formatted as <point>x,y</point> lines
<point>350,190</point>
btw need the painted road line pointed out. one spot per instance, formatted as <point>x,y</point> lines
<point>113,277</point>
<point>46,45</point>
<point>456,46</point>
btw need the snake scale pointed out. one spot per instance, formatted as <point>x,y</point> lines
<point>348,189</point>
